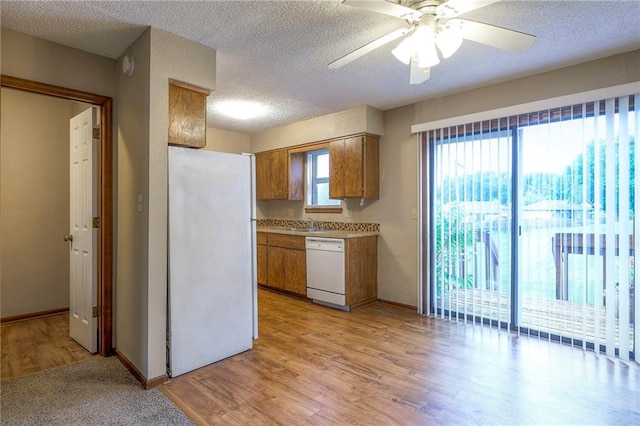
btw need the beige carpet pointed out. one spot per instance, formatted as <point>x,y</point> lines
<point>99,391</point>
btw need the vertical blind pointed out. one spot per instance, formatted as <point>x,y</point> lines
<point>532,221</point>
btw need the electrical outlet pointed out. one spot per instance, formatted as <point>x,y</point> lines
<point>290,212</point>
<point>348,212</point>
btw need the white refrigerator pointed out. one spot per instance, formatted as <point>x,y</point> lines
<point>212,300</point>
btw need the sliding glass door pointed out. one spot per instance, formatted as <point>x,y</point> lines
<point>576,215</point>
<point>532,221</point>
<point>472,226</point>
<point>556,211</point>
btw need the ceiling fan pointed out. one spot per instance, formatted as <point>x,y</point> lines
<point>431,24</point>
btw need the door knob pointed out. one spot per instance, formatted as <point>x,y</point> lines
<point>68,237</point>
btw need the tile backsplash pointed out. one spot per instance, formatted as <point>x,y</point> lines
<point>334,226</point>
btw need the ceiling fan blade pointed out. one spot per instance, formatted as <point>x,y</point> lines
<point>418,75</point>
<point>453,8</point>
<point>498,37</point>
<point>387,8</point>
<point>349,57</point>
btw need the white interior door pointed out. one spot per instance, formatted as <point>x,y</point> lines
<point>83,327</point>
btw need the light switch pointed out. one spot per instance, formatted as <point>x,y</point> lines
<point>414,214</point>
<point>140,202</point>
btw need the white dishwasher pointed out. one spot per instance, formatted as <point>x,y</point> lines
<point>325,271</point>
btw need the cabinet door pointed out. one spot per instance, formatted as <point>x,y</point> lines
<point>353,167</point>
<point>187,115</point>
<point>361,269</point>
<point>262,265</point>
<point>336,169</point>
<point>371,171</point>
<point>276,270</point>
<point>262,175</point>
<point>296,271</point>
<point>296,176</point>
<point>279,177</point>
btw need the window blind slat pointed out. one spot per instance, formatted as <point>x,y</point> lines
<point>623,185</point>
<point>612,296</point>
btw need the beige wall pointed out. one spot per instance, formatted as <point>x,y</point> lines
<point>143,120</point>
<point>397,249</point>
<point>132,118</point>
<point>355,120</point>
<point>227,141</point>
<point>40,60</point>
<point>34,207</point>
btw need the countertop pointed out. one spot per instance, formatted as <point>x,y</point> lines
<point>329,233</point>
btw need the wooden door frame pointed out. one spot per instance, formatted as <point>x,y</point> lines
<point>105,231</point>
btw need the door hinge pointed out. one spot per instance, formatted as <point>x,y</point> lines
<point>96,132</point>
<point>96,222</point>
<point>95,312</point>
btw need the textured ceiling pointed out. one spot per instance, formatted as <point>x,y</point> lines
<point>277,52</point>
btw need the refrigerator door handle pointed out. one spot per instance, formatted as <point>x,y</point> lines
<point>254,244</point>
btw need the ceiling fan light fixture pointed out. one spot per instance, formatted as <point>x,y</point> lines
<point>428,57</point>
<point>449,40</point>
<point>425,45</point>
<point>404,51</point>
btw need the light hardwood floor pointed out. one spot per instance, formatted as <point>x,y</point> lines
<point>386,365</point>
<point>38,344</point>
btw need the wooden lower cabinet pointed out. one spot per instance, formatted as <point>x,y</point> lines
<point>282,265</point>
<point>276,257</point>
<point>261,261</point>
<point>262,264</point>
<point>296,271</point>
<point>286,264</point>
<point>361,270</point>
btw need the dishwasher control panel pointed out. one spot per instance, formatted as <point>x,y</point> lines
<point>325,244</point>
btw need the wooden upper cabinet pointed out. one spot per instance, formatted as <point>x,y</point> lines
<point>336,169</point>
<point>279,176</point>
<point>262,176</point>
<point>187,115</point>
<point>354,167</point>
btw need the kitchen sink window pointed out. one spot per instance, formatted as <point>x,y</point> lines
<point>317,185</point>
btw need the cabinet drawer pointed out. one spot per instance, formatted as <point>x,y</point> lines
<point>261,238</point>
<point>287,241</point>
